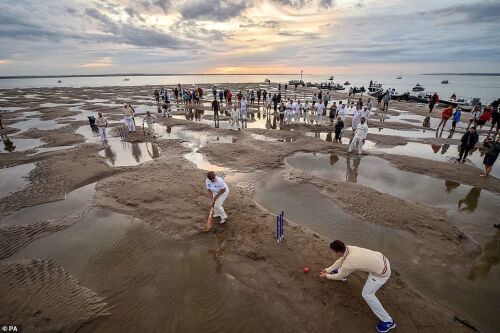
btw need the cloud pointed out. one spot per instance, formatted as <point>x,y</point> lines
<point>475,12</point>
<point>212,10</point>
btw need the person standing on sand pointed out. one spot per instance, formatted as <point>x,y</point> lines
<point>297,111</point>
<point>215,108</point>
<point>386,99</point>
<point>491,155</point>
<point>217,191</point>
<point>320,108</point>
<point>365,113</point>
<point>157,96</point>
<point>342,112</point>
<point>468,141</point>
<point>445,115</point>
<point>221,96</point>
<point>356,118</point>
<point>339,127</point>
<point>235,116</point>
<point>101,123</point>
<point>150,120</point>
<point>485,117</point>
<point>289,112</point>
<point>495,118</point>
<point>433,101</point>
<point>359,137</point>
<point>305,113</point>
<point>353,258</point>
<point>243,112</point>
<point>333,112</point>
<point>128,113</point>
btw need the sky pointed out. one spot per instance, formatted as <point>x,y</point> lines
<point>61,37</point>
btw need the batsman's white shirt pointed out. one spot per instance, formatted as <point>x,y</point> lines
<point>216,186</point>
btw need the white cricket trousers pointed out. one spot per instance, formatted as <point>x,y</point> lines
<point>102,133</point>
<point>371,286</point>
<point>130,123</point>
<point>151,129</point>
<point>218,209</point>
<point>356,141</point>
<point>319,119</point>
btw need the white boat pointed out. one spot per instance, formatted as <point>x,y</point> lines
<point>418,87</point>
<point>465,104</point>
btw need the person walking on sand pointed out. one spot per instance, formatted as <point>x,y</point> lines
<point>474,116</point>
<point>485,117</point>
<point>297,111</point>
<point>157,96</point>
<point>333,112</point>
<point>456,118</point>
<point>353,258</point>
<point>495,119</point>
<point>320,108</point>
<point>216,108</point>
<point>365,113</point>
<point>243,112</point>
<point>305,113</point>
<point>342,112</point>
<point>359,137</point>
<point>288,112</point>
<point>433,101</point>
<point>128,113</point>
<point>217,192</point>
<point>150,120</point>
<point>491,155</point>
<point>468,141</point>
<point>445,115</point>
<point>102,124</point>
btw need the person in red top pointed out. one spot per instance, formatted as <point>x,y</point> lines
<point>445,115</point>
<point>229,96</point>
<point>485,117</point>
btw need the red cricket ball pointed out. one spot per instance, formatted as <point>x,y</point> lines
<point>306,269</point>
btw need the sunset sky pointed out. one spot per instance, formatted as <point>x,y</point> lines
<point>255,36</point>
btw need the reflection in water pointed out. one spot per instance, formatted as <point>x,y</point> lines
<point>450,185</point>
<point>119,153</point>
<point>329,137</point>
<point>471,200</point>
<point>333,159</point>
<point>352,173</point>
<point>136,151</point>
<point>8,144</point>
<point>427,122</point>
<point>490,257</point>
<point>444,148</point>
<point>218,253</point>
<point>435,148</point>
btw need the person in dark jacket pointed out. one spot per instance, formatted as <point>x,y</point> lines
<point>339,126</point>
<point>469,140</point>
<point>491,155</point>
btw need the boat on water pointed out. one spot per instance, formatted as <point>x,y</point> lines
<point>375,92</point>
<point>399,77</point>
<point>418,87</point>
<point>421,97</point>
<point>356,90</point>
<point>466,104</point>
<point>126,79</point>
<point>331,78</point>
<point>296,82</point>
<point>346,83</point>
<point>326,85</point>
<point>59,81</point>
<point>444,82</point>
<point>267,81</point>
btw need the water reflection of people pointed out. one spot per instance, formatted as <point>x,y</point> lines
<point>352,173</point>
<point>110,155</point>
<point>329,137</point>
<point>436,148</point>
<point>471,200</point>
<point>427,122</point>
<point>450,185</point>
<point>444,149</point>
<point>333,159</point>
<point>489,258</point>
<point>154,153</point>
<point>169,129</point>
<point>8,144</point>
<point>218,253</point>
<point>136,152</point>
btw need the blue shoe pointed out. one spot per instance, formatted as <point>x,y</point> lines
<point>383,327</point>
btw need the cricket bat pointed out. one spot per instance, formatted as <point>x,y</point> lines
<point>208,226</point>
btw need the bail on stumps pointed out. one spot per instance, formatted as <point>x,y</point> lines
<point>280,227</point>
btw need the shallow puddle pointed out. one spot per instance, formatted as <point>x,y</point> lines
<point>121,153</point>
<point>14,178</point>
<point>13,144</point>
<point>36,123</point>
<point>470,290</point>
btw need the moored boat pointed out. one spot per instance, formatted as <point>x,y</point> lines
<point>444,82</point>
<point>418,87</point>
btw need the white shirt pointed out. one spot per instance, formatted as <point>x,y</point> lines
<point>244,105</point>
<point>216,186</point>
<point>342,112</point>
<point>365,114</point>
<point>320,108</point>
<point>356,115</point>
<point>297,107</point>
<point>289,106</point>
<point>307,106</point>
<point>361,131</point>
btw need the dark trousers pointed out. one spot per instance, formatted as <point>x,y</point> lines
<point>464,151</point>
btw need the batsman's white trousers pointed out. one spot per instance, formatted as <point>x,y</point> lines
<point>130,124</point>
<point>218,209</point>
<point>102,133</point>
<point>319,119</point>
<point>151,129</point>
<point>359,142</point>
<point>371,286</point>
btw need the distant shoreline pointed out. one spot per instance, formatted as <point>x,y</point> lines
<point>465,74</point>
<point>125,74</point>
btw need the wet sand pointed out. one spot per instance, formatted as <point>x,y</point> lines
<point>112,237</point>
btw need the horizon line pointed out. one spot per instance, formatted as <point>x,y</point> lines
<point>134,74</point>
